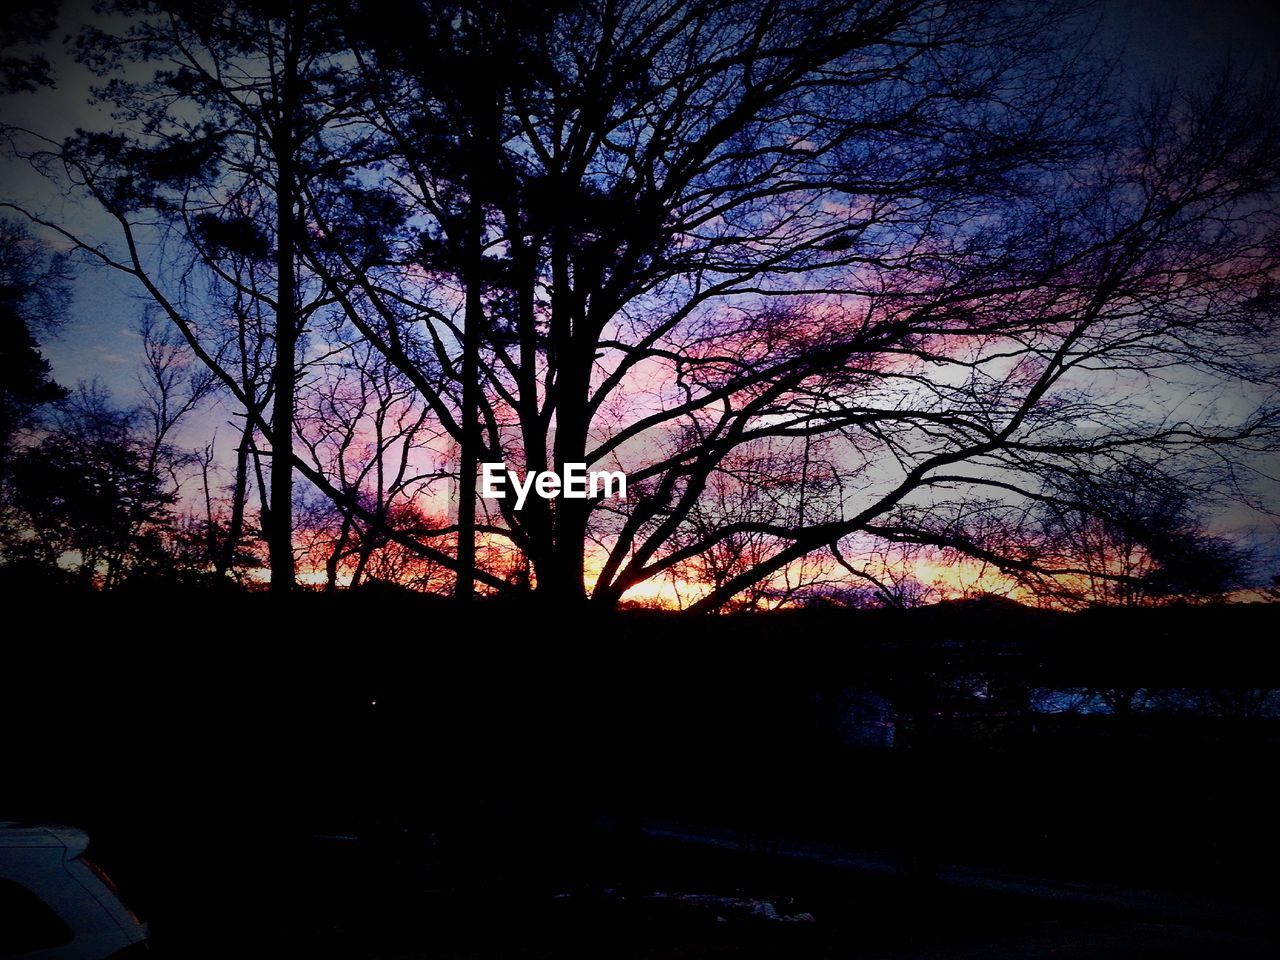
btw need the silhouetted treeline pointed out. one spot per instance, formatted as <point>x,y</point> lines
<point>833,282</point>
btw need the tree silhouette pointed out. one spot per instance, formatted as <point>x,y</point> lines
<point>871,236</point>
<point>1132,534</point>
<point>32,299</point>
<point>817,275</point>
<point>212,147</point>
<point>91,496</point>
<point>25,26</point>
<point>361,425</point>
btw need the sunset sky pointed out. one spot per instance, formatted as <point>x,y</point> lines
<point>1156,38</point>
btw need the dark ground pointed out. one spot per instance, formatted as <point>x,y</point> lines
<point>390,777</point>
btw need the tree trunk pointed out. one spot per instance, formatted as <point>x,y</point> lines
<point>485,113</point>
<point>357,575</point>
<point>335,555</point>
<point>469,449</point>
<point>280,532</point>
<point>569,552</point>
<point>536,519</point>
<point>239,496</point>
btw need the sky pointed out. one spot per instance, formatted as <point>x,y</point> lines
<point>1184,35</point>
<point>1157,39</point>
<point>1166,39</point>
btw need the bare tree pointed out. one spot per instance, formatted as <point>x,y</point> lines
<point>912,245</point>
<point>216,171</point>
<point>90,495</point>
<point>173,386</point>
<point>818,275</point>
<point>362,425</point>
<point>1132,536</point>
<point>207,157</point>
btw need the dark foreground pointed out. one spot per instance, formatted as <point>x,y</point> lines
<point>387,777</point>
